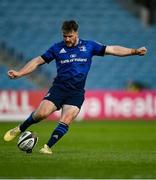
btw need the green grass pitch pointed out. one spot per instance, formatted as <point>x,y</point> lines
<point>105,149</point>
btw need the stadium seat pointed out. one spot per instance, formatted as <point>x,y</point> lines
<point>5,83</point>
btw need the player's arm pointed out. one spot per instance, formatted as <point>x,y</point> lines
<point>123,51</point>
<point>27,69</point>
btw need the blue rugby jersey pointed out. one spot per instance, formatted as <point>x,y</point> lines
<point>73,63</point>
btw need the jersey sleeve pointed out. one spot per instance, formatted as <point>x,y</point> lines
<point>98,49</point>
<point>49,55</point>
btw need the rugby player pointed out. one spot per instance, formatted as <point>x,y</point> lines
<point>73,57</point>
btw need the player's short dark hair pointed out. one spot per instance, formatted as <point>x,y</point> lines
<point>69,26</point>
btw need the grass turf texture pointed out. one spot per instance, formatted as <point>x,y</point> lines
<point>89,150</point>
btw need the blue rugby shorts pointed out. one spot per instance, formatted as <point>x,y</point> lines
<point>61,96</point>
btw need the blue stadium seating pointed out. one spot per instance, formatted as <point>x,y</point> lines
<point>17,84</point>
<point>32,26</point>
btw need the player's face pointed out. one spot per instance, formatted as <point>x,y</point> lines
<point>70,38</point>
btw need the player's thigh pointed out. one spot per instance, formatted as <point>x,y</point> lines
<point>69,113</point>
<point>45,108</point>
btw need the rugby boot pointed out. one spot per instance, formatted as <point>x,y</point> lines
<point>46,150</point>
<point>12,134</point>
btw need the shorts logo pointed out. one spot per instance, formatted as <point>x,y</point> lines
<point>62,51</point>
<point>47,95</point>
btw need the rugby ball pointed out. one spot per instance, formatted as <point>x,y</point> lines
<point>27,141</point>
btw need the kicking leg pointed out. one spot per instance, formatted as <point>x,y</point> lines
<point>43,111</point>
<point>69,113</point>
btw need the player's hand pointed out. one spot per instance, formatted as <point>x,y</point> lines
<point>13,74</point>
<point>142,51</point>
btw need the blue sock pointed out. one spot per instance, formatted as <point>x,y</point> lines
<point>28,122</point>
<point>60,131</point>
